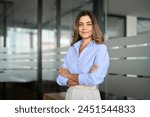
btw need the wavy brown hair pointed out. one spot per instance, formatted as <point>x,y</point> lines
<point>97,35</point>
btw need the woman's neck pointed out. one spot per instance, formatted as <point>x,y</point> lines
<point>85,42</point>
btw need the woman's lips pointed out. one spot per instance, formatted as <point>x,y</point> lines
<point>85,32</point>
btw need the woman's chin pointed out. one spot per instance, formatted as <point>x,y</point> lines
<point>86,37</point>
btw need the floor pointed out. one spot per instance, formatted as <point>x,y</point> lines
<point>26,91</point>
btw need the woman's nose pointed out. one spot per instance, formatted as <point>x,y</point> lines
<point>84,26</point>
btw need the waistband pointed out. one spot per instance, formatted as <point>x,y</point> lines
<point>84,87</point>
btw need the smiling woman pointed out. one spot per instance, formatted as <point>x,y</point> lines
<point>85,27</point>
<point>90,60</point>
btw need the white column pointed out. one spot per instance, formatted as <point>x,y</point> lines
<point>131,26</point>
<point>131,30</point>
<point>1,41</point>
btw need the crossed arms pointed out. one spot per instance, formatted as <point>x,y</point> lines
<point>73,78</point>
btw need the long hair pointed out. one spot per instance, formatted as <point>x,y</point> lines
<point>97,35</point>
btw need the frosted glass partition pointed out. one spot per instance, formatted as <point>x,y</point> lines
<point>22,67</point>
<point>129,72</point>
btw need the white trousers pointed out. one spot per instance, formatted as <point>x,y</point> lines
<point>81,92</point>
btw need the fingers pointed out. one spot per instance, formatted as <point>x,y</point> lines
<point>62,69</point>
<point>63,72</point>
<point>94,68</point>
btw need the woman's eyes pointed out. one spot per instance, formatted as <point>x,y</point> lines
<point>86,24</point>
<point>89,24</point>
<point>80,24</point>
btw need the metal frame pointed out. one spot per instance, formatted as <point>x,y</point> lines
<point>39,59</point>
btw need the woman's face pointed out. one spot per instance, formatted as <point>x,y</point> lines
<point>85,27</point>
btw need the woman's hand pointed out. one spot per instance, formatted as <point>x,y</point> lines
<point>63,72</point>
<point>93,68</point>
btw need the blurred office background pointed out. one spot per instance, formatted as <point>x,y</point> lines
<point>35,35</point>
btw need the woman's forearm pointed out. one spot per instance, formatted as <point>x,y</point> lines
<point>73,77</point>
<point>71,83</point>
<point>65,73</point>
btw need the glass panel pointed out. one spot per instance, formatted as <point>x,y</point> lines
<point>49,24</point>
<point>143,25</point>
<point>1,25</point>
<point>22,23</point>
<point>22,39</point>
<point>116,27</point>
<point>20,63</point>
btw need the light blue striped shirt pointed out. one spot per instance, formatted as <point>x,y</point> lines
<point>90,55</point>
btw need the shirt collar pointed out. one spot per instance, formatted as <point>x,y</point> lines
<point>77,44</point>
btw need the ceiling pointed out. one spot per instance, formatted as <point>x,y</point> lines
<point>139,8</point>
<point>24,12</point>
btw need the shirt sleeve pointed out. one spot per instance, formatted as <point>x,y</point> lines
<point>60,79</point>
<point>97,76</point>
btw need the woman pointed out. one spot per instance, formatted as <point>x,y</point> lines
<point>86,62</point>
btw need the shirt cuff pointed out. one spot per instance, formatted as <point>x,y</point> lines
<point>62,80</point>
<point>82,79</point>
